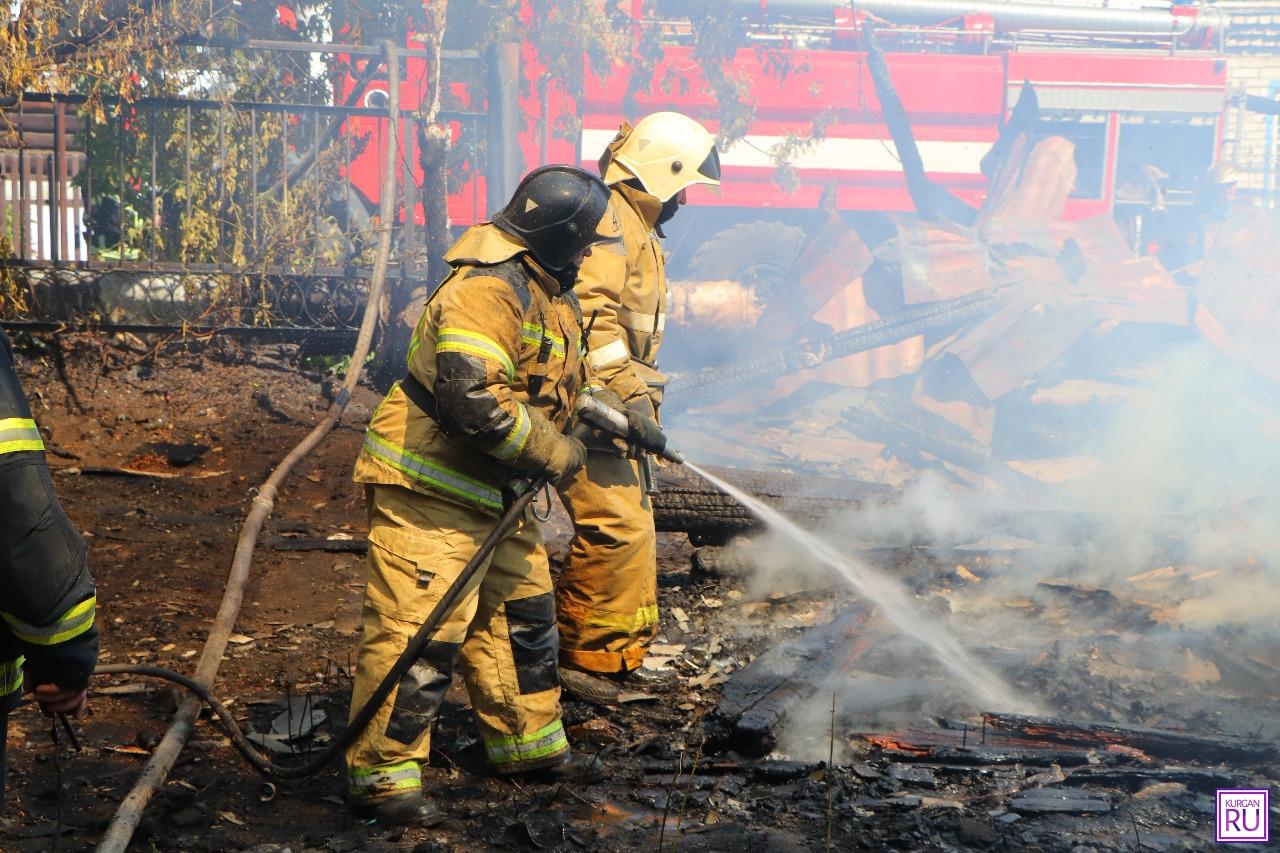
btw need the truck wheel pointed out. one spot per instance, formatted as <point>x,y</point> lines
<point>758,253</point>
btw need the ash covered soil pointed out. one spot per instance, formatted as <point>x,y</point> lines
<point>212,423</point>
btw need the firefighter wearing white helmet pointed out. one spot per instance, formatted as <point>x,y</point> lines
<point>606,598</point>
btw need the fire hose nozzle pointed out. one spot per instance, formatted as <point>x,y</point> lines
<point>612,421</point>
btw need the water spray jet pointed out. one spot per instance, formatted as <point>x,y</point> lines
<point>891,598</point>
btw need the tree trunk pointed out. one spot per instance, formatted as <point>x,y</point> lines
<point>405,301</point>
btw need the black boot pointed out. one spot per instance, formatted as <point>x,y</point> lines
<point>408,809</point>
<point>616,688</point>
<point>598,689</point>
<point>580,769</point>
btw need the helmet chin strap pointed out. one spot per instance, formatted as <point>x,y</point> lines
<point>669,208</point>
<point>567,277</point>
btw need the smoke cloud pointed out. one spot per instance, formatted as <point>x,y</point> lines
<point>1152,574</point>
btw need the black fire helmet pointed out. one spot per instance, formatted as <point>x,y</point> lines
<point>557,212</point>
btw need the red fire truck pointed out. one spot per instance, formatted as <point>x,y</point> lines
<point>1132,88</point>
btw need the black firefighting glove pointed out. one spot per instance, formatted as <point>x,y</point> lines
<point>645,432</point>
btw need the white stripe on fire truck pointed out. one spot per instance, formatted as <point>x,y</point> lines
<point>852,155</point>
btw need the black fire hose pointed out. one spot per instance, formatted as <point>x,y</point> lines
<point>525,492</point>
<point>593,413</point>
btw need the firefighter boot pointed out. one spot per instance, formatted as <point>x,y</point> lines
<point>571,768</point>
<point>408,809</point>
<point>607,595</point>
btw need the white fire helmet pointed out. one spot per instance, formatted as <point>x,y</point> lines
<point>666,152</point>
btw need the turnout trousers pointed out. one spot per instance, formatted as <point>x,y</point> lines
<point>607,596</point>
<point>502,632</point>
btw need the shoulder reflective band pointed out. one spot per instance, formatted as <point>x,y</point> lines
<point>70,625</point>
<point>19,434</point>
<point>514,749</point>
<point>614,352</point>
<point>474,343</point>
<point>434,475</point>
<point>11,675</point>
<point>510,446</point>
<point>386,779</point>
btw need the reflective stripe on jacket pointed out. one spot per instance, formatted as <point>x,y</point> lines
<point>501,352</point>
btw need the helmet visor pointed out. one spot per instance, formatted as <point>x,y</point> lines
<point>710,168</point>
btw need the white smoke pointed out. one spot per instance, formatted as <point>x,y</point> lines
<point>1151,571</point>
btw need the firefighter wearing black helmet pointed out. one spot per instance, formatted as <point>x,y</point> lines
<point>494,369</point>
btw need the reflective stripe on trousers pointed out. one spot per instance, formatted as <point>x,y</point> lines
<point>607,594</point>
<point>384,781</point>
<point>521,749</point>
<point>645,617</point>
<point>501,631</point>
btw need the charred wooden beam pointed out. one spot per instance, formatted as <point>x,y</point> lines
<point>905,425</point>
<point>709,516</point>
<point>994,756</point>
<point>685,503</point>
<point>1059,801</point>
<point>895,116</point>
<point>1161,743</point>
<point>1021,124</point>
<point>313,543</point>
<point>713,383</point>
<point>933,203</point>
<point>757,700</point>
<point>1137,778</point>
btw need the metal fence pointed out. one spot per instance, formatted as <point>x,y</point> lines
<point>181,212</point>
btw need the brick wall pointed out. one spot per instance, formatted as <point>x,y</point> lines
<point>1245,135</point>
<point>1254,68</point>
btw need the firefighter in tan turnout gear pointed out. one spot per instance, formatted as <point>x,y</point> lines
<point>494,370</point>
<point>607,597</point>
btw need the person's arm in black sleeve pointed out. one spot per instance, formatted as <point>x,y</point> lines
<point>49,601</point>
